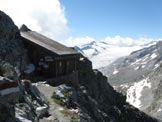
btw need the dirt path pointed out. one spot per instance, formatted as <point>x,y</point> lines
<point>54,109</point>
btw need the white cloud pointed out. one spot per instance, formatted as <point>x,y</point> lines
<point>114,41</point>
<point>78,41</point>
<point>45,16</point>
<point>127,41</point>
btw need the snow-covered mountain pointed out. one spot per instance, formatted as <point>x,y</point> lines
<point>139,77</point>
<point>102,53</point>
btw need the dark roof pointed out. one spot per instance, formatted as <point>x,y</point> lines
<point>47,43</point>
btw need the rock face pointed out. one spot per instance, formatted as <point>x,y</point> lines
<point>99,102</point>
<point>12,54</point>
<point>138,76</point>
<point>19,100</point>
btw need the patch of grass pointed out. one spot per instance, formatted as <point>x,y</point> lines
<point>67,94</point>
<point>69,113</point>
<point>151,107</point>
<point>57,101</point>
<point>74,116</point>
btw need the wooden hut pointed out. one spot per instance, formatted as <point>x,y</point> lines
<point>50,58</point>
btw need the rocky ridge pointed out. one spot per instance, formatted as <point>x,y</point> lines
<point>138,76</point>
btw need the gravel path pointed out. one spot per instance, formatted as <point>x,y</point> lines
<point>54,109</point>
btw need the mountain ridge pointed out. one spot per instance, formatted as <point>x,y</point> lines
<point>102,53</point>
<point>138,77</point>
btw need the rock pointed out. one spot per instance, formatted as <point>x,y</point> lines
<point>23,113</point>
<point>9,96</point>
<point>9,90</point>
<point>24,28</point>
<point>34,99</point>
<point>12,52</point>
<point>7,112</point>
<point>41,111</point>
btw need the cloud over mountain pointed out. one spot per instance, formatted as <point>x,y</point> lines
<point>45,16</point>
<point>114,41</point>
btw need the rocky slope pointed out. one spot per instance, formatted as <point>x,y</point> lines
<point>91,95</point>
<point>95,98</point>
<point>139,77</point>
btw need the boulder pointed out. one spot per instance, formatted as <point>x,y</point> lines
<point>41,111</point>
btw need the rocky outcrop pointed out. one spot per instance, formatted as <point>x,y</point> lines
<point>11,52</point>
<point>99,102</point>
<point>32,102</point>
<point>19,100</point>
<point>12,56</point>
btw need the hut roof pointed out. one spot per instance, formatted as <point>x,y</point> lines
<point>47,43</point>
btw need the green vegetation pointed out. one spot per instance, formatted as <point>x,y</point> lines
<point>67,94</point>
<point>58,101</point>
<point>151,107</point>
<point>69,113</point>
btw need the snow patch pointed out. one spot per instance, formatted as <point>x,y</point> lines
<point>107,56</point>
<point>159,110</point>
<point>136,62</point>
<point>136,68</point>
<point>124,86</point>
<point>115,72</point>
<point>153,56</point>
<point>134,92</point>
<point>143,66</point>
<point>156,66</point>
<point>146,57</point>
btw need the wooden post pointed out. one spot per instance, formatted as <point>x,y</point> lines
<point>67,66</point>
<point>75,65</point>
<point>56,68</point>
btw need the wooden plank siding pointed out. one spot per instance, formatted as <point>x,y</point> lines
<point>60,66</point>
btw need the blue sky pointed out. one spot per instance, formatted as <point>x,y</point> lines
<point>102,18</point>
<point>120,22</point>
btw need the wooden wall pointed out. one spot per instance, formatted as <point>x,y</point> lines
<point>55,66</point>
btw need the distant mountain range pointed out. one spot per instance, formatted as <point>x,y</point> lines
<point>139,77</point>
<point>102,53</point>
